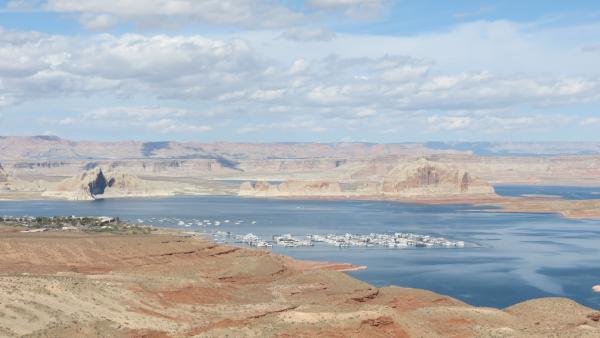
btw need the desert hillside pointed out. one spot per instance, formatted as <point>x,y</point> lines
<point>175,285</point>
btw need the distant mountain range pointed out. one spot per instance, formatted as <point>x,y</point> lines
<point>55,148</point>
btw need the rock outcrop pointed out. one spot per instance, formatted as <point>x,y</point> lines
<point>291,189</point>
<point>4,183</point>
<point>424,178</point>
<point>96,183</point>
<point>3,175</point>
<point>421,179</point>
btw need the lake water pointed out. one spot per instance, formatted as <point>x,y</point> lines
<point>570,193</point>
<point>518,256</point>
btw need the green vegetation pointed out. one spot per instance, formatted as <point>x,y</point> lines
<point>74,223</point>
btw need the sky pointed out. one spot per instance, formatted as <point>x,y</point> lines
<point>301,70</point>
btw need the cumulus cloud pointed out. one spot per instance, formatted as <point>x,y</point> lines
<point>492,123</point>
<point>449,122</point>
<point>236,79</point>
<point>269,14</point>
<point>165,120</point>
<point>100,14</point>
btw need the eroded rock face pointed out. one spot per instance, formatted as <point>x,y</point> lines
<point>420,179</point>
<point>98,183</point>
<point>3,175</point>
<point>291,188</point>
<point>424,178</point>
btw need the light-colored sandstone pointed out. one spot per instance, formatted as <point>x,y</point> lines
<point>291,189</point>
<point>424,178</point>
<point>98,183</point>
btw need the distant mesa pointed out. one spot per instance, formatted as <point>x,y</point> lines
<point>50,138</point>
<point>418,179</point>
<point>290,189</point>
<point>149,148</point>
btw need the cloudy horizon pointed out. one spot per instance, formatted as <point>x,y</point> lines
<point>300,71</point>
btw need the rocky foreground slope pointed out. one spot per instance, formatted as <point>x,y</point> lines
<point>169,285</point>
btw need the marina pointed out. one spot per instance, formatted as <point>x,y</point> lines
<point>392,241</point>
<point>397,240</point>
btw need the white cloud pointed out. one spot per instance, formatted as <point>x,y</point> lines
<point>242,80</point>
<point>231,71</point>
<point>449,122</point>
<point>493,123</point>
<point>161,119</point>
<point>309,34</point>
<point>169,126</point>
<point>99,14</point>
<point>134,113</point>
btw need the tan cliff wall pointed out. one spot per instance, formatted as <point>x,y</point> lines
<point>416,179</point>
<point>290,189</point>
<point>3,175</point>
<point>424,178</point>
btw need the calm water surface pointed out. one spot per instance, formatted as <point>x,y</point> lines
<point>519,257</point>
<point>569,193</point>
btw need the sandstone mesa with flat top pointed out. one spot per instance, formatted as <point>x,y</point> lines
<point>53,168</point>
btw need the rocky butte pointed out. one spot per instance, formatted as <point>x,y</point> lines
<point>96,183</point>
<point>424,178</point>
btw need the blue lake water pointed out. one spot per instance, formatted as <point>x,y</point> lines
<point>519,256</point>
<point>569,193</point>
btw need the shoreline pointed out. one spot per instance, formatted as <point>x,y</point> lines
<point>569,209</point>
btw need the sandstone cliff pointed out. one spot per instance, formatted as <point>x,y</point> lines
<point>4,184</point>
<point>96,183</point>
<point>420,179</point>
<point>3,175</point>
<point>291,189</point>
<point>424,178</point>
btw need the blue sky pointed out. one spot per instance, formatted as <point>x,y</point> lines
<point>314,70</point>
